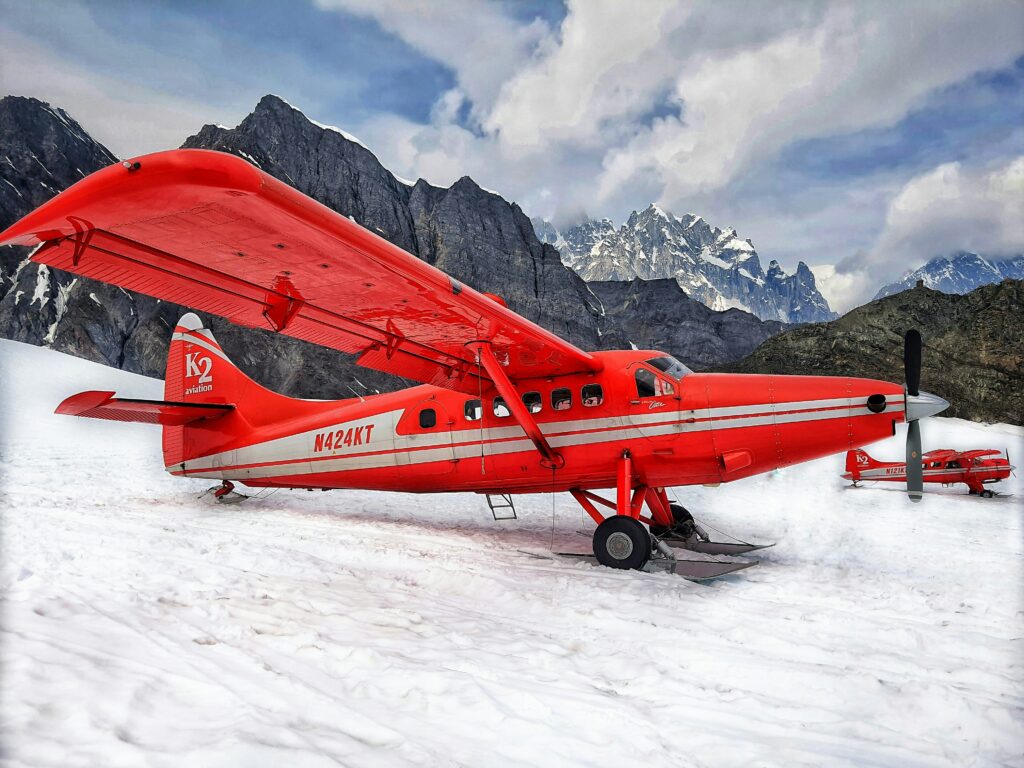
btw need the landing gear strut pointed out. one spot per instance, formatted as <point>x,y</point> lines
<point>683,527</point>
<point>622,541</point>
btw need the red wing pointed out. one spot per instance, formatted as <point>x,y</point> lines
<point>103,405</point>
<point>939,454</point>
<point>210,231</point>
<point>977,454</point>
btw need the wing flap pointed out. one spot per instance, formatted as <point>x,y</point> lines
<point>103,405</point>
<point>209,231</point>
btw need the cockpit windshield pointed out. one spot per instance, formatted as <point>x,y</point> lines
<point>669,366</point>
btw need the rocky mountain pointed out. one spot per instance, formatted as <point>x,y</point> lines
<point>972,351</point>
<point>474,235</point>
<point>42,151</point>
<point>712,265</point>
<point>657,314</point>
<point>960,273</point>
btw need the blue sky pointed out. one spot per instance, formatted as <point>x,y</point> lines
<point>862,139</point>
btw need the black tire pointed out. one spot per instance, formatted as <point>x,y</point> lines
<point>987,494</point>
<point>622,542</point>
<point>682,523</point>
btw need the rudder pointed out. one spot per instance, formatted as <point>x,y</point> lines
<point>199,371</point>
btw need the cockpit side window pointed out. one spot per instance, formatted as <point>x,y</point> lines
<point>646,383</point>
<point>649,385</point>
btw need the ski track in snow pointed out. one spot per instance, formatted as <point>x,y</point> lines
<point>142,626</point>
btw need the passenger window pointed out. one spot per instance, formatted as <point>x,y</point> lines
<point>592,395</point>
<point>500,408</point>
<point>474,410</point>
<point>561,399</point>
<point>428,418</point>
<point>532,401</point>
<point>645,383</point>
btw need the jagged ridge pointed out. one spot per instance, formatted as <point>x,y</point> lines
<point>712,265</point>
<point>961,273</point>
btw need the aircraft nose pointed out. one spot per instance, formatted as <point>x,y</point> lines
<point>924,404</point>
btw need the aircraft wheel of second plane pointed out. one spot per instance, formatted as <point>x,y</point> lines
<point>622,542</point>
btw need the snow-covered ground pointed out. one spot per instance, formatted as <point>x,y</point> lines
<point>144,626</point>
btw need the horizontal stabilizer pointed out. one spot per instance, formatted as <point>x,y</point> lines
<point>103,405</point>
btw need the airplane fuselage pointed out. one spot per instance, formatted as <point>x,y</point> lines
<point>700,428</point>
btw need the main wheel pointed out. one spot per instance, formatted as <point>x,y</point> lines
<point>987,494</point>
<point>682,523</point>
<point>622,542</point>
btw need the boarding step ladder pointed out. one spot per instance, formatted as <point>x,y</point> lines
<point>502,507</point>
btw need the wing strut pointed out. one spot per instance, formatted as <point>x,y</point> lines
<point>550,458</point>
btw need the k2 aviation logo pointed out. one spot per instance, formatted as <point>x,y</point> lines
<point>201,369</point>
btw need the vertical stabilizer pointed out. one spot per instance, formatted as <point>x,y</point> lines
<point>199,371</point>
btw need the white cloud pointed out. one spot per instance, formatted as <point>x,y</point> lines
<point>951,208</point>
<point>604,69</point>
<point>476,39</point>
<point>123,116</point>
<point>843,290</point>
<point>855,67</point>
<point>955,208</point>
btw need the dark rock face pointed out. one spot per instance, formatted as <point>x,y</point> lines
<point>960,273</point>
<point>972,347</point>
<point>657,314</point>
<point>43,152</point>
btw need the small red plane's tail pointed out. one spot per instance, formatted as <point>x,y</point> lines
<point>857,461</point>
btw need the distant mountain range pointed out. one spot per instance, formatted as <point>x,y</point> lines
<point>713,266</point>
<point>961,273</point>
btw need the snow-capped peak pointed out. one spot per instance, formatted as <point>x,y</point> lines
<point>960,273</point>
<point>715,266</point>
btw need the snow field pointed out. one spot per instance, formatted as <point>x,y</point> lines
<point>144,626</point>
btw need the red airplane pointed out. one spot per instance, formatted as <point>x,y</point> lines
<point>505,406</point>
<point>975,468</point>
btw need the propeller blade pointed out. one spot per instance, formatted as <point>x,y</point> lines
<point>915,481</point>
<point>912,361</point>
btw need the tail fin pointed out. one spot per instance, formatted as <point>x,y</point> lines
<point>199,372</point>
<point>857,461</point>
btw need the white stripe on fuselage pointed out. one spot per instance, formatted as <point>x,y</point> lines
<point>293,454</point>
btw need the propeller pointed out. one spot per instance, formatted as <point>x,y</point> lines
<point>918,405</point>
<point>912,361</point>
<point>912,375</point>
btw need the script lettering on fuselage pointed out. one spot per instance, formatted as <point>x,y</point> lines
<point>336,439</point>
